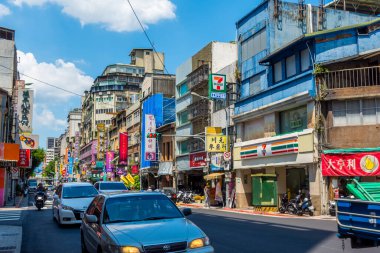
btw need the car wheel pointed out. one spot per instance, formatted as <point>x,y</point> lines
<point>82,244</point>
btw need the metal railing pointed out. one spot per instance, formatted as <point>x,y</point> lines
<point>198,75</point>
<point>351,78</point>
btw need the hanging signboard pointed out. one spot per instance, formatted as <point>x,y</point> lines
<point>110,155</point>
<point>216,162</point>
<point>123,148</point>
<point>101,143</point>
<point>198,160</point>
<point>216,143</point>
<point>217,86</point>
<point>351,164</point>
<point>150,143</point>
<point>24,159</point>
<point>25,110</point>
<point>29,141</point>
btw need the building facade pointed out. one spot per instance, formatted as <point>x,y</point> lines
<point>275,115</point>
<point>193,110</point>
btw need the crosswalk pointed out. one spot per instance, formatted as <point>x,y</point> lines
<point>11,215</point>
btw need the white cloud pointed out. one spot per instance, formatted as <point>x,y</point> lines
<point>4,10</point>
<point>45,119</point>
<point>113,15</point>
<point>60,73</point>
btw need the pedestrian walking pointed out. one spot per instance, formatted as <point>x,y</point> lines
<point>207,196</point>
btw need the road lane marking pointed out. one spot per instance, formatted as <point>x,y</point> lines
<point>289,227</point>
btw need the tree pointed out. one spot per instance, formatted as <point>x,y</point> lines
<point>49,170</point>
<point>38,156</point>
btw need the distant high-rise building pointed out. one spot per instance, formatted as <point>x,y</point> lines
<point>51,142</point>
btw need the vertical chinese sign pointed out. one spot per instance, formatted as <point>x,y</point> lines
<point>123,148</point>
<point>101,143</point>
<point>25,110</point>
<point>110,155</point>
<point>150,143</point>
<point>76,146</point>
<point>24,160</point>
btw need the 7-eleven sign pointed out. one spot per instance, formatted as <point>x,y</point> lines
<point>217,86</point>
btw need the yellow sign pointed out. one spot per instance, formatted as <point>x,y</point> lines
<point>124,180</point>
<point>213,130</point>
<point>130,179</point>
<point>216,143</point>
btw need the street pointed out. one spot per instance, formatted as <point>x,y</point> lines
<point>228,232</point>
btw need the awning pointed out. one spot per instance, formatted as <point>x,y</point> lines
<point>213,176</point>
<point>165,168</point>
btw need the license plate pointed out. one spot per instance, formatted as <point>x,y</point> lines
<point>81,215</point>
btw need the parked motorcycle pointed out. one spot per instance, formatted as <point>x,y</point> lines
<point>188,197</point>
<point>26,192</point>
<point>332,205</point>
<point>180,195</point>
<point>284,203</point>
<point>306,206</point>
<point>39,200</point>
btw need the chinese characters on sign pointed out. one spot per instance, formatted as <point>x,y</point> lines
<point>101,141</point>
<point>24,160</point>
<point>25,110</point>
<point>216,143</point>
<point>150,143</point>
<point>198,160</point>
<point>217,86</point>
<point>110,155</point>
<point>351,164</point>
<point>123,148</point>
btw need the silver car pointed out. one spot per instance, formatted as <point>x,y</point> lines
<point>140,222</point>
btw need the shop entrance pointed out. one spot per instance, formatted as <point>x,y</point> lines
<point>296,180</point>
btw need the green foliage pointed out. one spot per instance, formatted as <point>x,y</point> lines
<point>319,69</point>
<point>38,156</point>
<point>49,170</point>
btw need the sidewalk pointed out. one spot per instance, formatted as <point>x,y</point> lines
<point>255,212</point>
<point>11,231</point>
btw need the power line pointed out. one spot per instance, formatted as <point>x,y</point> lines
<point>146,35</point>
<point>48,84</point>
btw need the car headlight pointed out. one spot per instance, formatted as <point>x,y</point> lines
<point>129,249</point>
<point>67,207</point>
<point>198,243</point>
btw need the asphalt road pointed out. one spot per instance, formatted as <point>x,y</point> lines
<point>228,232</point>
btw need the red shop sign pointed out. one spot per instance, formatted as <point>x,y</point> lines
<point>351,164</point>
<point>198,160</point>
<point>24,159</point>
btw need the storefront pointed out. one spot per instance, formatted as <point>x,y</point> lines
<point>276,165</point>
<point>339,166</point>
<point>9,156</point>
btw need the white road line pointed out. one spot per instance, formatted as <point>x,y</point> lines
<point>290,227</point>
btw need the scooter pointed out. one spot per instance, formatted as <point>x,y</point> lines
<point>188,197</point>
<point>284,203</point>
<point>332,205</point>
<point>40,200</point>
<point>26,192</point>
<point>306,206</point>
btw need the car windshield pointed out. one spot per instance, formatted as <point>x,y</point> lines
<point>32,183</point>
<point>140,208</point>
<point>79,192</point>
<point>112,186</point>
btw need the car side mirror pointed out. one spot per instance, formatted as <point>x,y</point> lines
<point>187,211</point>
<point>91,218</point>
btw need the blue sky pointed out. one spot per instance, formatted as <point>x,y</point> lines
<point>68,43</point>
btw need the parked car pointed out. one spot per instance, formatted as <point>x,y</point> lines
<point>108,186</point>
<point>71,200</point>
<point>139,222</point>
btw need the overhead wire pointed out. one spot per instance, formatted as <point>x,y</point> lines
<point>43,82</point>
<point>147,36</point>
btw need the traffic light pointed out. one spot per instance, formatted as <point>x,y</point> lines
<point>154,135</point>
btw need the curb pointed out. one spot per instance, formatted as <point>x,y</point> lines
<point>258,213</point>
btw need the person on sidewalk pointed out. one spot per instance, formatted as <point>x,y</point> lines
<point>207,196</point>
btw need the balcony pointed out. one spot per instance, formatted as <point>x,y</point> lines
<point>198,110</point>
<point>351,78</point>
<point>199,77</point>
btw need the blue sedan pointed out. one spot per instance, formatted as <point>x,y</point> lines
<point>140,222</point>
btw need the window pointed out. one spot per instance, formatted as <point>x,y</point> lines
<point>183,89</point>
<point>253,45</point>
<point>277,71</point>
<point>291,66</point>
<point>184,147</point>
<point>183,117</point>
<point>305,60</point>
<point>293,120</point>
<point>356,112</point>
<point>254,85</point>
